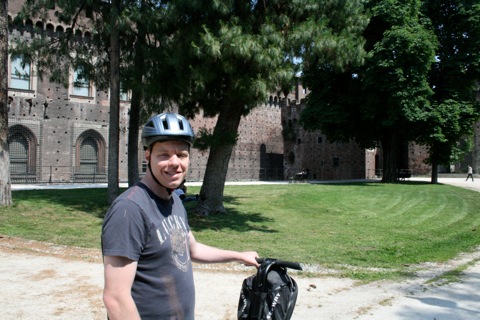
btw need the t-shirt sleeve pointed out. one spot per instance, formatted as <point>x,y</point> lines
<point>124,231</point>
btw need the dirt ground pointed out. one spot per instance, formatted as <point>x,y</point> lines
<point>45,281</point>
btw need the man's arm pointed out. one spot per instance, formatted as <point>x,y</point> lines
<point>119,276</point>
<point>205,254</point>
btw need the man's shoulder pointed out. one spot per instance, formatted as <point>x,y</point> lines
<point>135,194</point>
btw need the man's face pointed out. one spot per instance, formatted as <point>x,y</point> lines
<point>169,162</point>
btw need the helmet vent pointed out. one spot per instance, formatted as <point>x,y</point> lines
<point>165,124</point>
<point>180,123</point>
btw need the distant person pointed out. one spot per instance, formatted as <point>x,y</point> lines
<point>147,244</point>
<point>470,173</point>
<point>300,176</point>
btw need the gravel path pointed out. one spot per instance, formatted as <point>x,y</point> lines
<point>42,281</point>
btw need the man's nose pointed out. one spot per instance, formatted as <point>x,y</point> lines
<point>174,160</point>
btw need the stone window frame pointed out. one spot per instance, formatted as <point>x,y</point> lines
<point>76,96</point>
<point>76,85</point>
<point>30,92</point>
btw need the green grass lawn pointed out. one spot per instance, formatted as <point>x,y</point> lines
<point>349,227</point>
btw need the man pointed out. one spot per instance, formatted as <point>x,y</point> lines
<point>147,244</point>
<point>469,173</point>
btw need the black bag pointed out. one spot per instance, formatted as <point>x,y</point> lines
<point>270,294</point>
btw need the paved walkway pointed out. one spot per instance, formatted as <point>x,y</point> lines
<point>460,182</point>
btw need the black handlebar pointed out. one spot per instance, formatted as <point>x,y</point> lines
<point>281,263</point>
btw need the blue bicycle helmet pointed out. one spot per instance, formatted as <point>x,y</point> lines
<point>166,127</point>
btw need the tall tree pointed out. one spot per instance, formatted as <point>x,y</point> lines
<point>384,101</point>
<point>113,129</point>
<point>223,58</point>
<point>449,133</point>
<point>5,187</point>
<point>454,79</point>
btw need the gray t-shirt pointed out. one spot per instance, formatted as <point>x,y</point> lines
<point>142,227</point>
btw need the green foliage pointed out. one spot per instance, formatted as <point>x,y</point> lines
<point>236,54</point>
<point>206,139</point>
<point>448,140</point>
<point>367,102</point>
<point>420,54</point>
<point>457,68</point>
<point>453,78</point>
<point>395,227</point>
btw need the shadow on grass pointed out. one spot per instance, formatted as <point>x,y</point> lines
<point>91,201</point>
<point>232,220</point>
<point>414,183</point>
<point>349,183</point>
<point>94,202</point>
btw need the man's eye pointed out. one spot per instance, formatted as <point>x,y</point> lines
<point>163,155</point>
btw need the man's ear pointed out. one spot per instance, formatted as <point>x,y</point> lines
<point>147,155</point>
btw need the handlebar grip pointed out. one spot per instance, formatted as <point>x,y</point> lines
<point>281,263</point>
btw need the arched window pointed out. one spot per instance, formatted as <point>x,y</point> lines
<point>90,153</point>
<point>22,144</point>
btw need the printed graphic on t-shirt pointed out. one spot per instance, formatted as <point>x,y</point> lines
<point>174,228</point>
<point>180,249</point>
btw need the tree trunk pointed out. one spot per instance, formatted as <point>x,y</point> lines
<point>114,123</point>
<point>211,193</point>
<point>390,157</point>
<point>134,120</point>
<point>135,107</point>
<point>5,187</point>
<point>133,124</point>
<point>434,177</point>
